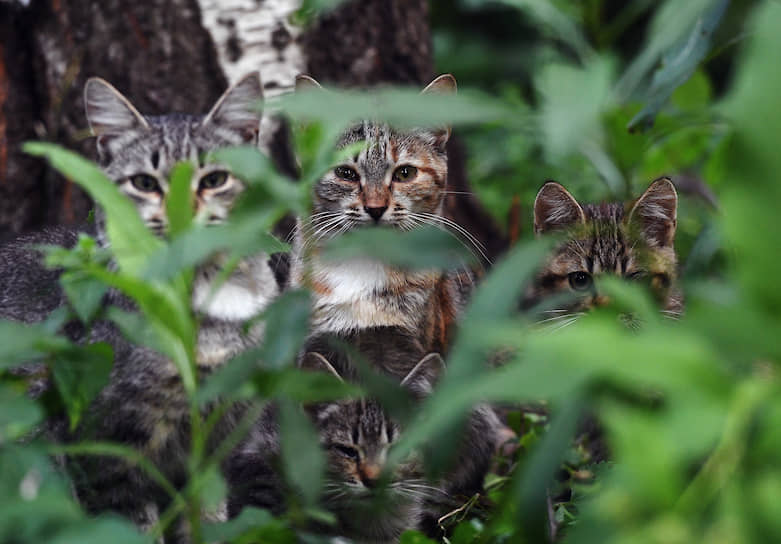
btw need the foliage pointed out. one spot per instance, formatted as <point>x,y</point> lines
<point>690,410</point>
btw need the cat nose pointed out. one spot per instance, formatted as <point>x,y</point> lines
<point>375,213</point>
<point>370,473</point>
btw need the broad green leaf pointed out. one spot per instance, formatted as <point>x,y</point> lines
<point>18,414</point>
<point>131,241</point>
<point>22,342</point>
<point>431,247</point>
<point>679,63</point>
<point>80,374</point>
<point>179,200</point>
<point>102,530</point>
<point>302,458</point>
<point>249,521</point>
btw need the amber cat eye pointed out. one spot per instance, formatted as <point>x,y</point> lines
<point>580,281</point>
<point>405,173</point>
<point>346,173</point>
<point>213,180</point>
<point>145,183</point>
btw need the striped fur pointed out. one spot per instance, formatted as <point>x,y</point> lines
<point>632,241</point>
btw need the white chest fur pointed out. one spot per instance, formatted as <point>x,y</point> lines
<point>362,293</point>
<point>242,296</point>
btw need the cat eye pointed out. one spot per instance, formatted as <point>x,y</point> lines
<point>580,281</point>
<point>213,180</point>
<point>145,183</point>
<point>347,451</point>
<point>346,173</point>
<point>405,173</point>
<point>639,275</point>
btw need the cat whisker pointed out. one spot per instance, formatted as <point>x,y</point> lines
<point>433,221</point>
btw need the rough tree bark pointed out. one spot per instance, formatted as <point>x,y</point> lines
<point>178,55</point>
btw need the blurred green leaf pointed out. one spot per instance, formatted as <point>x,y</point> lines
<point>131,241</point>
<point>179,199</point>
<point>18,414</point>
<point>80,374</point>
<point>302,458</point>
<point>433,247</point>
<point>679,63</point>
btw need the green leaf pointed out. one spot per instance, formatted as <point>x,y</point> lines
<point>248,522</point>
<point>131,241</point>
<point>80,374</point>
<point>100,531</point>
<point>18,414</point>
<point>679,63</point>
<point>302,457</point>
<point>84,293</point>
<point>179,201</point>
<point>287,326</point>
<point>433,247</point>
<point>23,342</point>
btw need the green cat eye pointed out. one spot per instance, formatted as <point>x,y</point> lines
<point>214,179</point>
<point>346,173</point>
<point>580,281</point>
<point>145,183</point>
<point>404,173</point>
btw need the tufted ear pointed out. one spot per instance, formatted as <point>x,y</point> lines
<point>238,108</point>
<point>421,379</point>
<point>555,209</point>
<point>655,213</point>
<point>109,113</point>
<point>317,363</point>
<point>442,85</point>
<point>306,83</point>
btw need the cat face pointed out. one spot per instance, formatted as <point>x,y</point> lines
<point>632,241</point>
<point>398,179</point>
<point>357,436</point>
<point>138,152</point>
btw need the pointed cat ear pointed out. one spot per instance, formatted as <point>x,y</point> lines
<point>315,362</point>
<point>444,84</point>
<point>109,113</point>
<point>655,213</point>
<point>421,379</point>
<point>238,108</point>
<point>306,83</point>
<point>555,209</point>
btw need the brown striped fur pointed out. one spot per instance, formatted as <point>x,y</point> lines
<point>631,240</point>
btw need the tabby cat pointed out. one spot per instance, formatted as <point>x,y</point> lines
<point>632,241</point>
<point>144,405</point>
<point>372,502</point>
<point>397,180</point>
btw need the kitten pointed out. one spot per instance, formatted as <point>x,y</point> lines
<point>397,180</point>
<point>371,501</point>
<point>144,405</point>
<point>632,241</point>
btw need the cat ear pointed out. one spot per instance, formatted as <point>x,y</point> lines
<point>443,85</point>
<point>655,213</point>
<point>421,379</point>
<point>555,209</point>
<point>315,362</point>
<point>306,83</point>
<point>239,108</point>
<point>109,113</point>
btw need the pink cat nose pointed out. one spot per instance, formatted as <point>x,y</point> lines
<point>370,472</point>
<point>375,213</point>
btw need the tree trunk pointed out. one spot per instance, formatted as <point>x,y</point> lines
<point>179,55</point>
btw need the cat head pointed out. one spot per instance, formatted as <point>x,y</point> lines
<point>137,152</point>
<point>398,179</point>
<point>357,435</point>
<point>632,241</point>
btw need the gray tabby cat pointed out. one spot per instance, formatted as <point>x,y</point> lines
<point>397,180</point>
<point>144,405</point>
<point>372,501</point>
